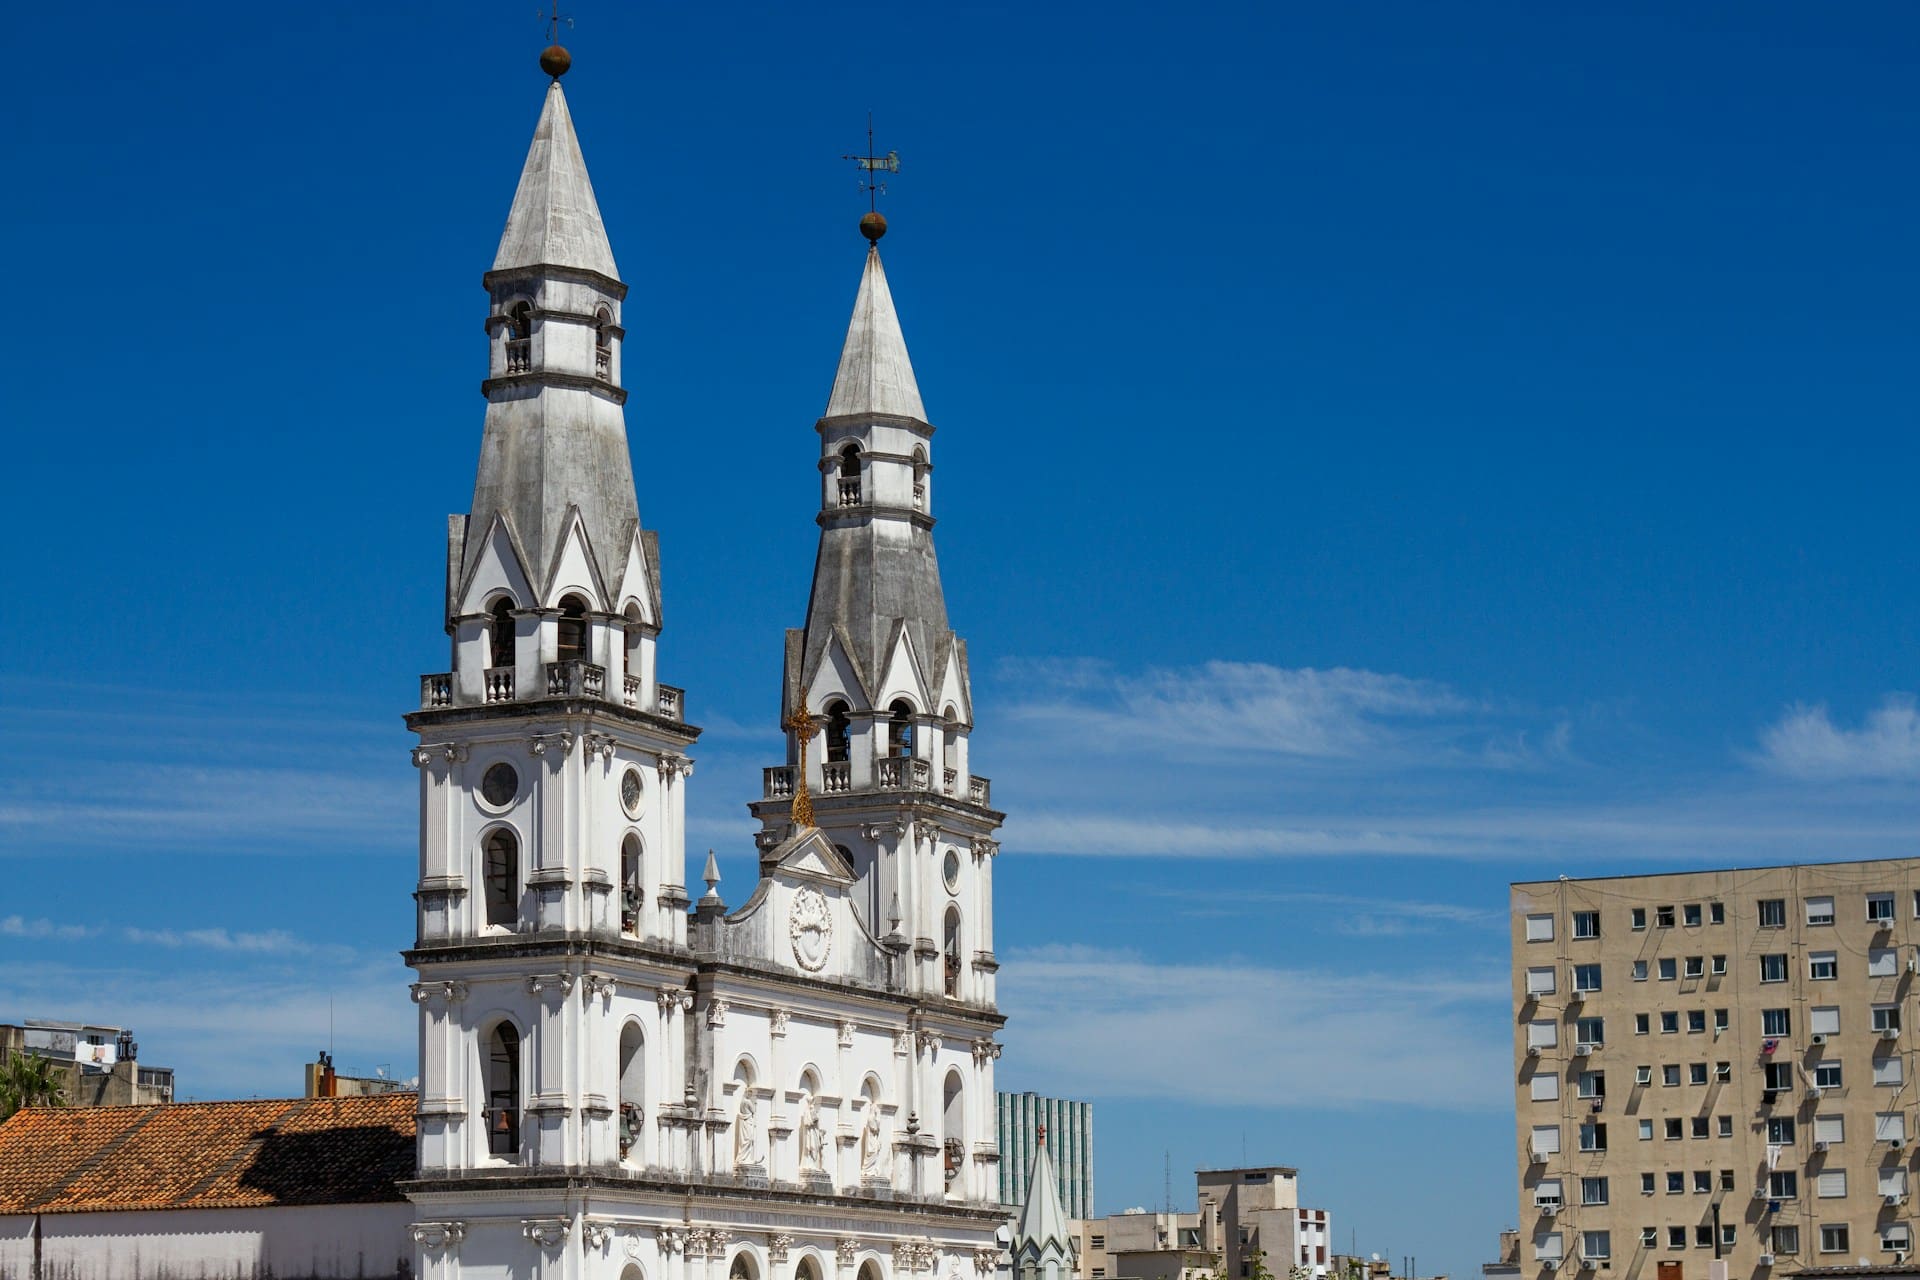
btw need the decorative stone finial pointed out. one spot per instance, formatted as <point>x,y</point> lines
<point>712,876</point>
<point>872,225</point>
<point>554,60</point>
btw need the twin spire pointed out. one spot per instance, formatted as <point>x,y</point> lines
<point>555,221</point>
<point>875,375</point>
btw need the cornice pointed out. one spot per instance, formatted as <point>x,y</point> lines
<point>854,421</point>
<point>715,1190</point>
<point>553,378</point>
<point>833,517</point>
<point>678,731</point>
<point>571,275</point>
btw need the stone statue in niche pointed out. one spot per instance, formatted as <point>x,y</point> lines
<point>746,1133</point>
<point>813,1138</point>
<point>870,1142</point>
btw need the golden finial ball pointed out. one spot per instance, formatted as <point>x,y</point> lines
<point>873,226</point>
<point>555,60</point>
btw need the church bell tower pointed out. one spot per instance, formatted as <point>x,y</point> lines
<point>877,679</point>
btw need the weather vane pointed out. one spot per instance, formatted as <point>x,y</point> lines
<point>553,20</point>
<point>872,165</point>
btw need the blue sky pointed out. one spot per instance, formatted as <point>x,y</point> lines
<point>1386,451</point>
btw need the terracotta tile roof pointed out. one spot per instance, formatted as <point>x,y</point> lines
<point>207,1155</point>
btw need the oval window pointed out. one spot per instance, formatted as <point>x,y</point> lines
<point>499,784</point>
<point>632,791</point>
<point>951,870</point>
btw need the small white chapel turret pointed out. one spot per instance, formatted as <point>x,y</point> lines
<point>1042,1246</point>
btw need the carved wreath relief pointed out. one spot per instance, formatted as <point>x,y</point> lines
<point>811,928</point>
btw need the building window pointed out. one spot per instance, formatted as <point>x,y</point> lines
<point>1670,1075</point>
<point>1773,913</point>
<point>1826,1074</point>
<point>571,635</point>
<point>1773,968</point>
<point>1639,970</point>
<point>1696,966</point>
<point>1642,1024</point>
<point>1663,917</point>
<point>503,1091</point>
<point>952,951</point>
<point>1593,1137</point>
<point>850,475</point>
<point>1719,1021</point>
<point>1785,1240</point>
<point>1699,1127</point>
<point>1591,1084</point>
<point>1776,1022</point>
<point>1590,1031</point>
<point>1540,981</point>
<point>1830,1184</point>
<point>1646,1127</point>
<point>1593,1191</point>
<point>1697,1021</point>
<point>1725,1130</point>
<point>1823,966</point>
<point>1897,1238</point>
<point>1777,1075</point>
<point>520,337</point>
<point>1670,1022</point>
<point>1783,1184</point>
<point>1889,1126</point>
<point>1824,1020</point>
<point>1676,1237</point>
<point>900,729</point>
<point>1639,918</point>
<point>1883,962</point>
<point>1719,966</point>
<point>500,633</point>
<point>1728,1232</point>
<point>1697,1074</point>
<point>839,732</point>
<point>631,894</point>
<point>1889,1071</point>
<point>1546,1139</point>
<point>1780,1131</point>
<point>1596,1246</point>
<point>1833,1237</point>
<point>1716,913</point>
<point>1703,1237</point>
<point>1690,915</point>
<point>1886,1017</point>
<point>1650,1236</point>
<point>1820,911</point>
<point>1586,977</point>
<point>1669,969</point>
<point>1723,1072</point>
<point>1586,924</point>
<point>1880,908</point>
<point>1544,1086</point>
<point>1646,1184</point>
<point>1673,1129</point>
<point>502,877</point>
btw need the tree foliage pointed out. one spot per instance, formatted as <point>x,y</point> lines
<point>29,1080</point>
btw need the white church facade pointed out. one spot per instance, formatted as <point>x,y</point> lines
<point>799,1087</point>
<point>618,1080</point>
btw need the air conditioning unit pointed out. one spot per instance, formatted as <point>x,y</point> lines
<point>1822,1146</point>
<point>1895,1198</point>
<point>1582,1050</point>
<point>1551,1208</point>
<point>1576,996</point>
<point>1889,1033</point>
<point>1819,1037</point>
<point>1913,963</point>
<point>1759,1193</point>
<point>1536,1156</point>
<point>1814,1091</point>
<point>1766,1259</point>
<point>1896,1143</point>
<point>1533,1051</point>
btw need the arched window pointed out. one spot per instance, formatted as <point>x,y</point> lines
<point>953,1147</point>
<point>807,1270</point>
<point>920,477</point>
<point>502,876</point>
<point>950,952</point>
<point>603,343</point>
<point>633,1067</point>
<point>520,337</point>
<point>503,1091</point>
<point>850,475</point>
<point>900,729</point>
<point>572,642</point>
<point>742,1267</point>
<point>839,732</point>
<point>500,633</point>
<point>869,1270</point>
<point>950,745</point>
<point>631,895</point>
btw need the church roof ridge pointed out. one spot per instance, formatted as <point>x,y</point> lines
<point>555,220</point>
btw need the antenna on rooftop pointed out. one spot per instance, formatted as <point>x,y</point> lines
<point>1167,1190</point>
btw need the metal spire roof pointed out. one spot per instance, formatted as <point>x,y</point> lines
<point>1042,1220</point>
<point>555,221</point>
<point>875,374</point>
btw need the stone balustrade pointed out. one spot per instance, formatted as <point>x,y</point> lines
<point>499,684</point>
<point>436,690</point>
<point>576,680</point>
<point>980,790</point>
<point>836,776</point>
<point>630,690</point>
<point>777,784</point>
<point>669,702</point>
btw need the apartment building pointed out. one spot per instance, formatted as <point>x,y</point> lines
<point>1019,1119</point>
<point>96,1066</point>
<point>1241,1212</point>
<point>1710,1065</point>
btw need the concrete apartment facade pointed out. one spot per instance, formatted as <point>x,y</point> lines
<point>97,1066</point>
<point>1241,1211</point>
<point>1714,1065</point>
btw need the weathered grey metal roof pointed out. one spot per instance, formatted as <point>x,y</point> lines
<point>1042,1220</point>
<point>875,375</point>
<point>555,220</point>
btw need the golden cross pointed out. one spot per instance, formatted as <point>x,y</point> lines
<point>803,727</point>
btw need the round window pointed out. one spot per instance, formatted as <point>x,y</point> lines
<point>632,790</point>
<point>951,870</point>
<point>499,784</point>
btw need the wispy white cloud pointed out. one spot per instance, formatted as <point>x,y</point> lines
<point>272,942</point>
<point>1380,915</point>
<point>1116,1024</point>
<point>1805,743</point>
<point>21,927</point>
<point>1241,707</point>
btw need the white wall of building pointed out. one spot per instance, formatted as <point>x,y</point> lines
<point>319,1242</point>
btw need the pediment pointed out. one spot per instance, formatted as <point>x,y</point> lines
<point>809,855</point>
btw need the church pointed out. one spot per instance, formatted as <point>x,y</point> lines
<point>618,1079</point>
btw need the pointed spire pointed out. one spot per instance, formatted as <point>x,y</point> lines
<point>1043,1222</point>
<point>711,874</point>
<point>875,374</point>
<point>555,220</point>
